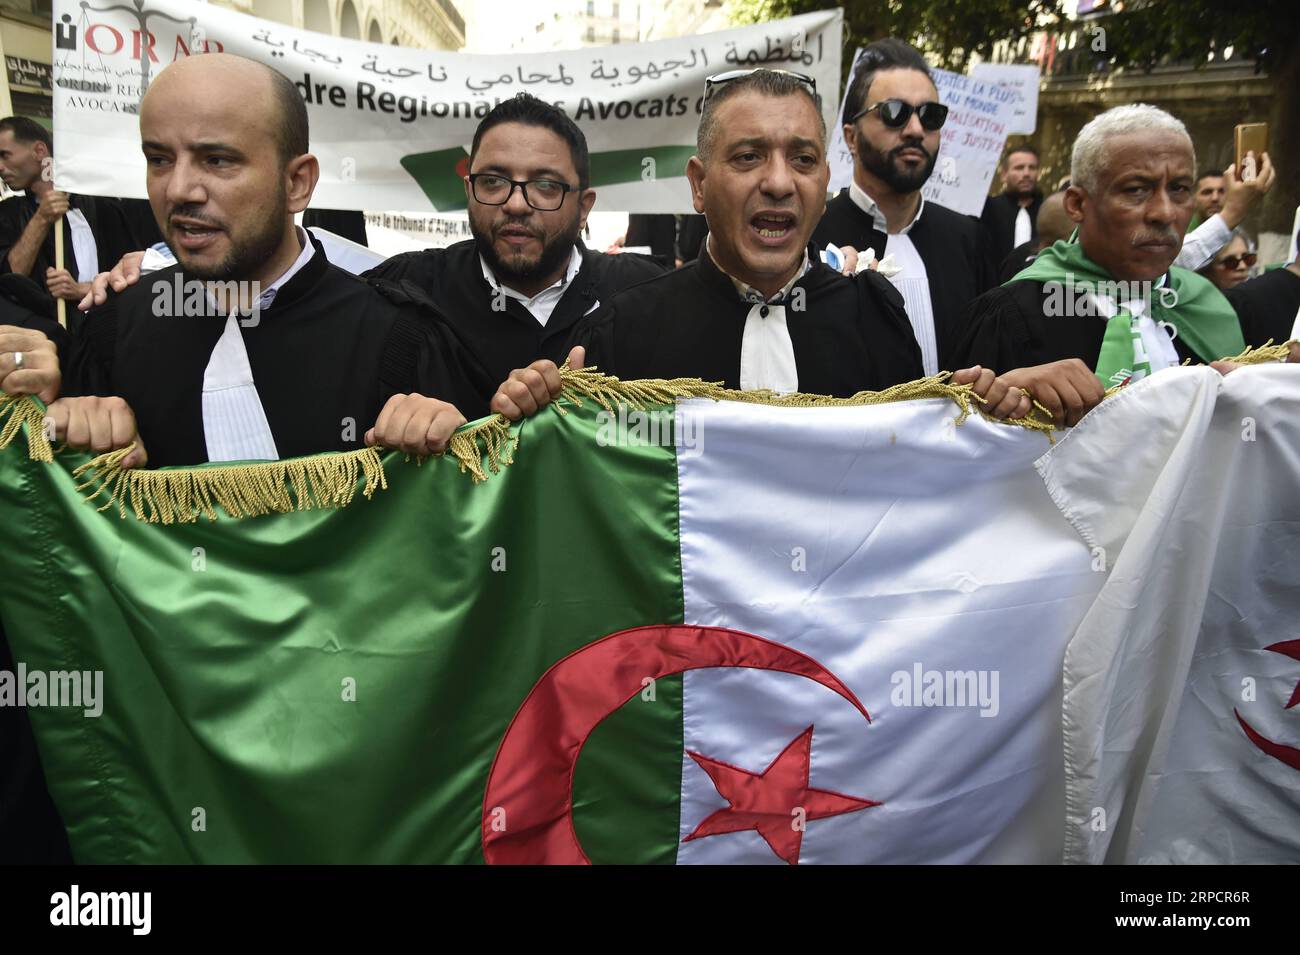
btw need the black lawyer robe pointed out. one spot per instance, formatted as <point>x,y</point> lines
<point>325,356</point>
<point>115,235</point>
<point>1266,306</point>
<point>953,247</point>
<point>1009,327</point>
<point>451,281</point>
<point>852,334</point>
<point>999,219</point>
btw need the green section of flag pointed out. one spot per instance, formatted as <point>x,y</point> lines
<point>628,165</point>
<point>439,179</point>
<point>228,649</point>
<point>627,788</point>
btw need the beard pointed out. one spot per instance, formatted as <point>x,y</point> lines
<point>882,165</point>
<point>517,266</point>
<point>247,252</point>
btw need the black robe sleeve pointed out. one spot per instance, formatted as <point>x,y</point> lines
<point>891,344</point>
<point>88,366</point>
<point>595,333</point>
<point>996,334</point>
<point>13,219</point>
<point>424,355</point>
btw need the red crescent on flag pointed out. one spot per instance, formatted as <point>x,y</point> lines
<point>1279,751</point>
<point>528,805</point>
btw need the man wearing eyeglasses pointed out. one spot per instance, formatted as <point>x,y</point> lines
<point>892,118</point>
<point>516,291</point>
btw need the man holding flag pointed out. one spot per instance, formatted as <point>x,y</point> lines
<point>1110,295</point>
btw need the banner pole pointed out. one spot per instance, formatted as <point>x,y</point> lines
<point>58,264</point>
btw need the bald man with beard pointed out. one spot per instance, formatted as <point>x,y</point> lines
<point>253,346</point>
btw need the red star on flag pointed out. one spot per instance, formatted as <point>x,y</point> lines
<point>770,802</point>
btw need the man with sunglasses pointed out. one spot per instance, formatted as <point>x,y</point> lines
<point>892,118</point>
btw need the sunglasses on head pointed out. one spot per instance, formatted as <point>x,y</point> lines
<point>895,113</point>
<point>711,83</point>
<point>1232,261</point>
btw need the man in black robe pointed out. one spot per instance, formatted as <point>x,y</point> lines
<point>1111,297</point>
<point>516,291</point>
<point>252,346</point>
<point>96,232</point>
<point>1051,224</point>
<point>758,310</point>
<point>1010,218</point>
<point>892,118</point>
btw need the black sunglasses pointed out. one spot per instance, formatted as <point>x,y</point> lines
<point>720,79</point>
<point>1231,262</point>
<point>895,113</point>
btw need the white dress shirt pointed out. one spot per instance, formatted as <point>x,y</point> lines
<point>234,422</point>
<point>766,352</point>
<point>541,305</point>
<point>912,282</point>
<point>84,249</point>
<point>1024,228</point>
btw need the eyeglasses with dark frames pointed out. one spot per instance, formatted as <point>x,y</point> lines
<point>895,113</point>
<point>544,195</point>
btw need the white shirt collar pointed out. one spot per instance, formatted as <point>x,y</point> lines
<point>747,292</point>
<point>574,266</point>
<point>868,205</point>
<point>268,294</point>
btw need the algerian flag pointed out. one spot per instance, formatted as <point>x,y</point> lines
<point>751,631</point>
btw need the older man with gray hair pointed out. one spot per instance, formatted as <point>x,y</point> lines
<point>1110,295</point>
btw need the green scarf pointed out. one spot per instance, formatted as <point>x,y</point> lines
<point>1202,317</point>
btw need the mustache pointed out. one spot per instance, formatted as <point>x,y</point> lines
<point>517,224</point>
<point>909,144</point>
<point>198,215</point>
<point>1166,236</point>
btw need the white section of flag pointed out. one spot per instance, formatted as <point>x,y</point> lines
<point>1122,585</point>
<point>924,544</point>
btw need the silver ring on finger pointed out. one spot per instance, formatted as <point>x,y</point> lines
<point>18,360</point>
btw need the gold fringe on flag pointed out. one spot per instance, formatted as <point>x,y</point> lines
<point>17,410</point>
<point>179,496</point>
<point>182,495</point>
<point>1264,354</point>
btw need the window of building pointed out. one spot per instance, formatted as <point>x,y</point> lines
<point>591,34</point>
<point>613,38</point>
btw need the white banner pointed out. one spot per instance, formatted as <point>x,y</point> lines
<point>1023,81</point>
<point>973,139</point>
<point>392,126</point>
